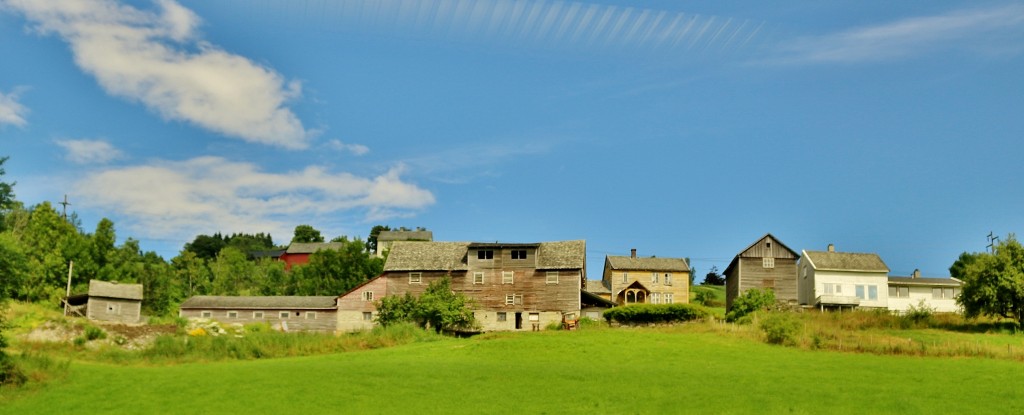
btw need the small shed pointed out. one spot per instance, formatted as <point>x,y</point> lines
<point>108,301</point>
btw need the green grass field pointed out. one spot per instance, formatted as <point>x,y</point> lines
<point>681,369</point>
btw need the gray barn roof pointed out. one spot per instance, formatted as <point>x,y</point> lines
<point>99,288</point>
<point>311,247</point>
<point>846,261</point>
<point>258,302</point>
<point>451,256</point>
<point>628,263</point>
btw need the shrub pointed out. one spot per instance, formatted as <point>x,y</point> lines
<point>920,314</point>
<point>93,333</point>
<point>655,313</point>
<point>780,328</point>
<point>704,297</point>
<point>751,301</point>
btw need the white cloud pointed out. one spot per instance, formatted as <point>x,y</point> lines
<point>996,30</point>
<point>179,199</point>
<point>356,149</point>
<point>155,58</point>
<point>11,111</point>
<point>89,151</point>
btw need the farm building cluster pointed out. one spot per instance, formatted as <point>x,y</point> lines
<point>528,286</point>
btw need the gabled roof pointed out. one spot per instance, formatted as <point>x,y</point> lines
<point>629,263</point>
<point>945,282</point>
<point>99,288</point>
<point>749,251</point>
<point>845,261</point>
<point>261,302</point>
<point>311,247</point>
<point>598,287</point>
<point>451,256</point>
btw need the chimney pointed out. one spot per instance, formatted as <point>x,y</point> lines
<point>632,253</point>
<point>916,274</point>
<point>831,248</point>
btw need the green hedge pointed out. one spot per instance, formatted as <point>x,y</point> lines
<point>655,313</point>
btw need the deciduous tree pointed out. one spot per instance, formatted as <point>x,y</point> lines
<point>993,282</point>
<point>306,234</point>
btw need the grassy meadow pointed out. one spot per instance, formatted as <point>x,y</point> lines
<point>692,368</point>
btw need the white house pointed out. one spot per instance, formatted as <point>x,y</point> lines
<point>830,279</point>
<point>939,294</point>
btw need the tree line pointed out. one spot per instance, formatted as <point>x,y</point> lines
<point>38,246</point>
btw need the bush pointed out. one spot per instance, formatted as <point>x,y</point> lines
<point>704,297</point>
<point>920,314</point>
<point>93,333</point>
<point>655,313</point>
<point>751,301</point>
<point>780,328</point>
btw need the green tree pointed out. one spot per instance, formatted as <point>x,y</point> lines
<point>232,273</point>
<point>438,308</point>
<point>993,283</point>
<point>191,275</point>
<point>206,246</point>
<point>306,234</point>
<point>752,300</point>
<point>7,201</point>
<point>335,271</point>
<point>371,241</point>
<point>713,277</point>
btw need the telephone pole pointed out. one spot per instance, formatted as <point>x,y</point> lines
<point>992,239</point>
<point>65,203</point>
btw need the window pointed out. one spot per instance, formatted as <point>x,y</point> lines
<point>873,292</point>
<point>552,277</point>
<point>768,283</point>
<point>513,299</point>
<point>232,314</point>
<point>860,292</point>
<point>257,315</point>
<point>768,244</point>
<point>485,254</point>
<point>943,293</point>
<point>284,314</point>
<point>767,262</point>
<point>654,277</point>
<point>518,254</point>
<point>206,314</point>
<point>367,316</point>
<point>502,316</point>
<point>668,279</point>
<point>668,298</point>
<point>655,298</point>
<point>478,277</point>
<point>311,315</point>
<point>415,278</point>
<point>367,295</point>
<point>113,308</point>
<point>625,276</point>
<point>507,277</point>
<point>534,317</point>
<point>833,288</point>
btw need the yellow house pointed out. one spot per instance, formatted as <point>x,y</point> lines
<point>652,280</point>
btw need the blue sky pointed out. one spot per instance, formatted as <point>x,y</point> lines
<point>682,129</point>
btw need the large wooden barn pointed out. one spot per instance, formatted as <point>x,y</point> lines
<point>766,263</point>
<point>514,286</point>
<point>288,313</point>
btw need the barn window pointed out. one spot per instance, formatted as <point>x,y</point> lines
<point>232,314</point>
<point>367,316</point>
<point>518,254</point>
<point>206,314</point>
<point>502,316</point>
<point>257,315</point>
<point>284,314</point>
<point>485,254</point>
<point>668,279</point>
<point>552,277</point>
<point>415,278</point>
<point>478,278</point>
<point>367,295</point>
<point>311,315</point>
<point>513,299</point>
<point>507,277</point>
<point>767,262</point>
<point>768,244</point>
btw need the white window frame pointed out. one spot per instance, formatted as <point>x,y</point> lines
<point>668,298</point>
<point>415,278</point>
<point>513,299</point>
<point>367,295</point>
<point>668,278</point>
<point>552,277</point>
<point>508,277</point>
<point>478,277</point>
<point>284,315</point>
<point>654,278</point>
<point>257,315</point>
<point>655,298</point>
<point>767,262</point>
<point>206,314</point>
<point>625,277</point>
<point>231,314</point>
<point>534,317</point>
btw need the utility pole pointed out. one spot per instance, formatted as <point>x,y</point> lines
<point>65,203</point>
<point>992,239</point>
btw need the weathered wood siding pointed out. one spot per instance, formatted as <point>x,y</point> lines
<point>324,320</point>
<point>530,285</point>
<point>114,309</point>
<point>353,305</point>
<point>781,278</point>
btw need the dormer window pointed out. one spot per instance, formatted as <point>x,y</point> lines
<point>518,254</point>
<point>485,254</point>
